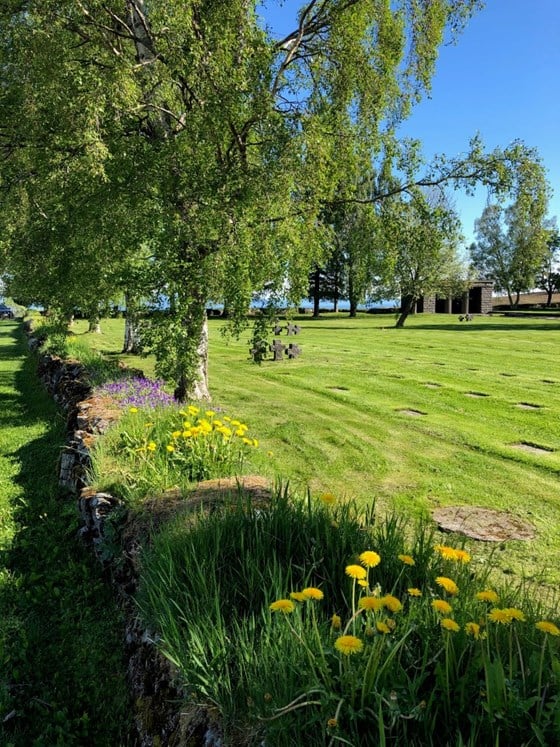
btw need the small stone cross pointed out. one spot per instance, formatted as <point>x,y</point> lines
<point>293,329</point>
<point>293,350</point>
<point>278,349</point>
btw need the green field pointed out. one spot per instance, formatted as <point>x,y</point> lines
<point>427,416</point>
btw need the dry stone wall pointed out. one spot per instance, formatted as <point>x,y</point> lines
<point>155,695</point>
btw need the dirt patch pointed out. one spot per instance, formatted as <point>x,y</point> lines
<point>484,524</point>
<point>548,381</point>
<point>510,375</point>
<point>532,448</point>
<point>430,385</point>
<point>476,394</point>
<point>528,406</point>
<point>339,388</point>
<point>411,413</point>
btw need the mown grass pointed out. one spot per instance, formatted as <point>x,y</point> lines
<point>335,418</point>
<point>62,673</point>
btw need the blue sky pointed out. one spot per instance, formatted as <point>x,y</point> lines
<point>501,79</point>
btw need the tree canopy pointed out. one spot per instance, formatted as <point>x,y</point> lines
<point>182,135</point>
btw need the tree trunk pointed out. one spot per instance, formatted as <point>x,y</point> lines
<point>131,330</point>
<point>316,292</point>
<point>94,325</point>
<point>197,388</point>
<point>549,297</point>
<point>406,309</point>
<point>352,296</point>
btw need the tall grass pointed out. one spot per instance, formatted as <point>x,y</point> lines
<point>62,678</point>
<point>299,623</point>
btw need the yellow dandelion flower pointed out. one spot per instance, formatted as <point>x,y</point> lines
<point>332,723</point>
<point>462,556</point>
<point>336,622</point>
<point>312,593</point>
<point>193,410</point>
<point>450,553</point>
<point>255,443</point>
<point>209,413</point>
<point>225,431</point>
<point>547,627</point>
<point>373,604</point>
<point>234,423</point>
<point>248,442</point>
<point>450,625</point>
<point>299,596</point>
<point>448,584</point>
<point>370,559</point>
<point>187,424</point>
<point>473,629</point>
<point>392,603</point>
<point>363,584</point>
<point>440,605</point>
<point>407,559</point>
<point>133,409</point>
<point>414,592</point>
<point>282,605</point>
<point>148,425</point>
<point>175,434</point>
<point>487,596</point>
<point>515,614</point>
<point>446,552</point>
<point>217,423</point>
<point>170,448</point>
<point>348,644</point>
<point>270,454</point>
<point>327,498</point>
<point>205,426</point>
<point>500,616</point>
<point>227,419</point>
<point>187,434</point>
<point>356,571</point>
<point>382,627</point>
<point>152,446</point>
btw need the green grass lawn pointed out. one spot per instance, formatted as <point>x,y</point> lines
<point>62,670</point>
<point>341,417</point>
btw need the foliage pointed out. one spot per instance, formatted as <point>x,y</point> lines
<point>346,643</point>
<point>421,259</point>
<point>179,151</point>
<point>548,277</point>
<point>511,243</point>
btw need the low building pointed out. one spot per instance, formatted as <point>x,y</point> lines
<point>476,300</point>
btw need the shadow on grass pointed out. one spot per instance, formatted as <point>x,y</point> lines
<point>63,656</point>
<point>476,326</point>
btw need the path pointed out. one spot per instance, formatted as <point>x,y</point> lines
<point>62,668</point>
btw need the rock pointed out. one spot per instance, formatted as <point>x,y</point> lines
<point>485,524</point>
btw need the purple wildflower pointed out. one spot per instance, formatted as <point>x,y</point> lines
<point>137,392</point>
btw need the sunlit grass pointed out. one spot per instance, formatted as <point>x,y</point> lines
<point>341,416</point>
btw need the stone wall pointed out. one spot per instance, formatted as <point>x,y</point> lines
<point>152,680</point>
